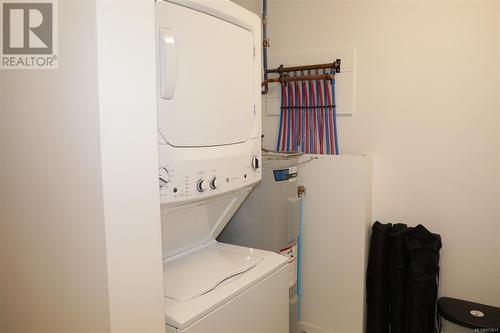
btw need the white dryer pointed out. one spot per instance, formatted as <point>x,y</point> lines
<point>209,115</point>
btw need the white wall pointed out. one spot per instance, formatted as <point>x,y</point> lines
<point>251,5</point>
<point>498,45</point>
<point>81,234</point>
<point>53,243</point>
<point>427,84</point>
<point>1,312</point>
<point>126,52</point>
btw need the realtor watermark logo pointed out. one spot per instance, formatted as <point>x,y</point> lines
<point>29,34</point>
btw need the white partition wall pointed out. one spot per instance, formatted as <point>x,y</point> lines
<point>80,233</point>
<point>336,221</point>
<point>129,164</point>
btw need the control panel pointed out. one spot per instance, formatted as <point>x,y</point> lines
<point>228,168</point>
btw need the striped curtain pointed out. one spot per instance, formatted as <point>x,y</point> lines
<point>308,118</point>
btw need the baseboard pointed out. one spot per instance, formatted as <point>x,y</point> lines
<point>310,328</point>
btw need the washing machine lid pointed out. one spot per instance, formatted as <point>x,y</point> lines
<point>203,271</point>
<point>190,281</point>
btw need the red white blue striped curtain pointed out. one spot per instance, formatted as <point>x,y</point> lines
<point>308,118</point>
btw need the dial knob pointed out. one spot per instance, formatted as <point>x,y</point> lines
<point>255,162</point>
<point>163,177</point>
<point>214,183</point>
<point>201,185</point>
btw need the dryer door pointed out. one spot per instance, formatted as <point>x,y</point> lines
<point>206,78</point>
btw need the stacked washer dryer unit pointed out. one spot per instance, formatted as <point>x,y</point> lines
<point>269,219</point>
<point>209,118</point>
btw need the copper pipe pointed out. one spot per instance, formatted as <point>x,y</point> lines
<point>300,78</point>
<point>282,69</point>
<point>265,45</point>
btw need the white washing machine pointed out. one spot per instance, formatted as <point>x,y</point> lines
<point>209,116</point>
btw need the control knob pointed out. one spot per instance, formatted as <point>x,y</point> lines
<point>201,185</point>
<point>163,177</point>
<point>214,183</point>
<point>255,162</point>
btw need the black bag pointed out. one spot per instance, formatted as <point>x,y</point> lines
<point>377,288</point>
<point>402,279</point>
<point>398,275</point>
<point>422,283</point>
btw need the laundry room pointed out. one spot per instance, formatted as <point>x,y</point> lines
<point>250,166</point>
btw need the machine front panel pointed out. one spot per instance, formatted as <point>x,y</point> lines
<point>199,173</point>
<point>206,78</point>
